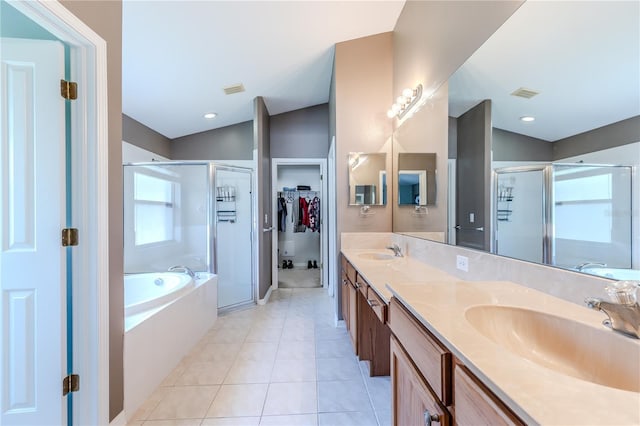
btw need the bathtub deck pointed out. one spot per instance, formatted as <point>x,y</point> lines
<point>283,363</point>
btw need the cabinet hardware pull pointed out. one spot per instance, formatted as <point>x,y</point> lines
<point>372,303</point>
<point>428,418</point>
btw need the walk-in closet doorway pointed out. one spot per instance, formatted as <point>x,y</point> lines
<point>299,189</point>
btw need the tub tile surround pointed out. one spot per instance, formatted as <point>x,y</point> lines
<point>305,374</point>
<point>538,394</point>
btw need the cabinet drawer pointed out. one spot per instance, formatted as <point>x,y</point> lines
<point>362,285</point>
<point>377,304</point>
<point>432,359</point>
<point>475,404</point>
<point>349,270</point>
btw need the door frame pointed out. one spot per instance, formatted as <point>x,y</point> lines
<point>324,245</point>
<point>90,205</point>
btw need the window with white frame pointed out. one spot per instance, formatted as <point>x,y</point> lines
<point>584,205</point>
<point>154,209</point>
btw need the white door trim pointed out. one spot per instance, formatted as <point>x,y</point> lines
<point>90,204</point>
<point>324,245</point>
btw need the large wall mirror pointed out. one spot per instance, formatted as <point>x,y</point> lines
<point>538,115</point>
<point>416,179</point>
<point>367,179</point>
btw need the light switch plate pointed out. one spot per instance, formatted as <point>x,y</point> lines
<point>472,217</point>
<point>462,263</point>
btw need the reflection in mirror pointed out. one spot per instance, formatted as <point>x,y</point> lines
<point>416,179</point>
<point>590,219</point>
<point>367,179</point>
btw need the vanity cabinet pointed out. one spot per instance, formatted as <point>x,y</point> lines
<point>350,301</point>
<point>426,376</point>
<point>365,315</point>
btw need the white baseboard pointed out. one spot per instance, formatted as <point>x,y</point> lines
<point>119,420</point>
<point>266,296</point>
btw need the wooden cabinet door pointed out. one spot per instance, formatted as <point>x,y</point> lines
<point>476,405</point>
<point>345,299</point>
<point>414,404</point>
<point>353,316</point>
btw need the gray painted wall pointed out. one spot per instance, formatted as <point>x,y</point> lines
<point>143,137</point>
<point>473,177</point>
<point>453,138</point>
<point>226,143</point>
<point>261,131</point>
<point>509,146</point>
<point>303,133</point>
<point>616,134</point>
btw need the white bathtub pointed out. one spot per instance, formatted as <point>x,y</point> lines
<point>143,292</point>
<point>615,273</point>
<point>166,315</point>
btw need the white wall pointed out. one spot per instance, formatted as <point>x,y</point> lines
<point>135,154</point>
<point>306,244</point>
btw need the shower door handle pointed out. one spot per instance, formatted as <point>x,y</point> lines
<point>269,229</point>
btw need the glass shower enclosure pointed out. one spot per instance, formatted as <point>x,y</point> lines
<point>564,214</point>
<point>193,214</point>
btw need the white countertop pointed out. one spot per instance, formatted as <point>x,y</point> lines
<point>538,394</point>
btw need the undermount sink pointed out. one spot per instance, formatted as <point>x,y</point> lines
<point>588,353</point>
<point>376,256</point>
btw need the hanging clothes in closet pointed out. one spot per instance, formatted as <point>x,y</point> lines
<point>282,214</point>
<point>314,215</point>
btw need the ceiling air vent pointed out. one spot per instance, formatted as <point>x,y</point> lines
<point>525,93</point>
<point>236,88</point>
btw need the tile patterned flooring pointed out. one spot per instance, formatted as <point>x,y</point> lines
<point>280,364</point>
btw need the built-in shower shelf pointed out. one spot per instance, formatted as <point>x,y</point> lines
<point>504,198</point>
<point>226,204</point>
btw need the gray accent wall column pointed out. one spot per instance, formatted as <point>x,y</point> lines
<point>473,177</point>
<point>261,131</point>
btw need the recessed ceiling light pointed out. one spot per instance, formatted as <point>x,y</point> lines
<point>527,118</point>
<point>210,115</point>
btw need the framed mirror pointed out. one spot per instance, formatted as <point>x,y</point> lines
<point>416,179</point>
<point>523,117</point>
<point>367,179</point>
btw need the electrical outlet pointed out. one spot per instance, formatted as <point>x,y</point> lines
<point>462,263</point>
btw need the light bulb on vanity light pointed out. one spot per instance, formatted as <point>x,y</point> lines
<point>391,113</point>
<point>407,93</point>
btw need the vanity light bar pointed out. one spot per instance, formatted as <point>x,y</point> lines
<point>405,102</point>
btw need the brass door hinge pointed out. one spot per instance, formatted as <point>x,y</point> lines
<point>71,383</point>
<point>69,237</point>
<point>68,89</point>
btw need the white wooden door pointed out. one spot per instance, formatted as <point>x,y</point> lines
<point>32,166</point>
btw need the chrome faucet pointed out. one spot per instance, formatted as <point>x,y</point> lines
<point>624,314</point>
<point>179,268</point>
<point>396,250</point>
<point>585,265</point>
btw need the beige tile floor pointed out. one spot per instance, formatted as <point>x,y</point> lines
<point>283,363</point>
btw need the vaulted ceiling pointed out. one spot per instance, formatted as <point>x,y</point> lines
<point>179,55</point>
